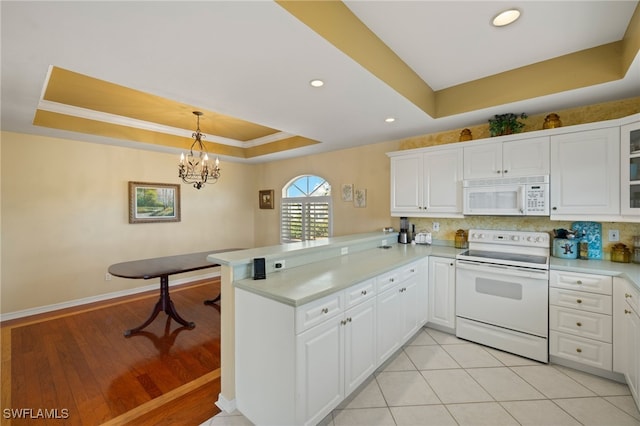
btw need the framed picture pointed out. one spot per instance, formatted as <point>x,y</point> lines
<point>347,192</point>
<point>154,202</point>
<point>266,198</point>
<point>360,198</point>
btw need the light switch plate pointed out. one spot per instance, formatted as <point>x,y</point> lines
<point>614,235</point>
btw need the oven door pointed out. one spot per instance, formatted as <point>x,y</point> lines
<point>504,296</point>
<point>506,200</point>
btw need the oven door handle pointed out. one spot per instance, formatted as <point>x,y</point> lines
<point>502,269</point>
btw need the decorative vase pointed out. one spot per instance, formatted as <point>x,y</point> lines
<point>465,135</point>
<point>552,121</point>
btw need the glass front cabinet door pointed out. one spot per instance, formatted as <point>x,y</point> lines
<point>630,170</point>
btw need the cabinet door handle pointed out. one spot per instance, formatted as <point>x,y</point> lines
<point>498,171</point>
<point>579,324</point>
<point>343,322</point>
<point>363,292</point>
<point>579,282</point>
<point>506,171</point>
<point>626,311</point>
<point>579,350</point>
<point>579,301</point>
<point>554,208</point>
<point>627,296</point>
<point>412,270</point>
<point>325,310</point>
<point>349,319</point>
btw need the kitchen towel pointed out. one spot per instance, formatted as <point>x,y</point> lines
<point>593,235</point>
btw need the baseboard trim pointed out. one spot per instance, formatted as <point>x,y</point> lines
<point>226,405</point>
<point>100,298</point>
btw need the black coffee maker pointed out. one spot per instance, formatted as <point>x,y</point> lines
<point>404,237</point>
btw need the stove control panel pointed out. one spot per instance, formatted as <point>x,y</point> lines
<point>516,238</point>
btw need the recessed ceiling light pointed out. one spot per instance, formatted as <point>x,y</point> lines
<point>316,82</point>
<point>505,18</point>
<point>389,120</point>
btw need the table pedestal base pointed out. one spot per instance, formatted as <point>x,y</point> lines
<point>164,304</point>
<point>212,301</point>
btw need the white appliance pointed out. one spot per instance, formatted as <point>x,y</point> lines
<point>502,291</point>
<point>520,196</point>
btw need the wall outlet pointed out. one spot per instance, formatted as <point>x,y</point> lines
<point>436,226</point>
<point>278,264</point>
<point>107,276</point>
<point>614,235</point>
<point>344,250</point>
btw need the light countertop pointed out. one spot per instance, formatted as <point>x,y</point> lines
<point>296,286</point>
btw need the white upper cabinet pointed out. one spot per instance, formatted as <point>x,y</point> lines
<point>427,183</point>
<point>630,170</point>
<point>406,184</point>
<point>443,181</point>
<point>585,177</point>
<point>526,157</point>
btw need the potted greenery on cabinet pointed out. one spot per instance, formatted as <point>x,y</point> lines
<point>506,124</point>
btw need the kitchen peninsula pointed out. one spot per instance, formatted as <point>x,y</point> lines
<point>314,269</point>
<point>282,323</point>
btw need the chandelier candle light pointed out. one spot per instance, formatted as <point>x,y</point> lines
<point>198,169</point>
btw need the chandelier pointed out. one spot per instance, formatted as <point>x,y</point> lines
<point>196,168</point>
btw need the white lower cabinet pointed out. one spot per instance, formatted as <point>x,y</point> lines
<point>334,358</point>
<point>580,320</point>
<point>401,307</point>
<point>294,365</point>
<point>320,370</point>
<point>442,292</point>
<point>626,338</point>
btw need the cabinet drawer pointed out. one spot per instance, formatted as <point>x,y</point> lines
<point>388,280</point>
<point>585,351</point>
<point>360,292</point>
<point>580,323</point>
<point>592,302</point>
<point>409,271</point>
<point>320,310</point>
<point>583,282</point>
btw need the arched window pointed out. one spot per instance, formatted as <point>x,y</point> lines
<point>305,212</point>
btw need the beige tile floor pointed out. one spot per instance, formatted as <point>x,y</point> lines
<point>438,379</point>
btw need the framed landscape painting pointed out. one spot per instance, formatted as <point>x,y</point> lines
<point>154,202</point>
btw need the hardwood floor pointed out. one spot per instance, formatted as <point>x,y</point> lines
<point>77,364</point>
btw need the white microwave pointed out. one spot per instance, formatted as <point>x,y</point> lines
<point>520,196</point>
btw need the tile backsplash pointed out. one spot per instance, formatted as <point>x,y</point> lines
<point>448,227</point>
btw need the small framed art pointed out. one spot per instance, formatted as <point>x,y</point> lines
<point>266,198</point>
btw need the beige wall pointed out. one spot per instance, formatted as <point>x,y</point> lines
<point>64,224</point>
<point>366,167</point>
<point>62,227</point>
